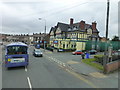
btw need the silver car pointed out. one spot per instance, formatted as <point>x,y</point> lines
<point>37,52</point>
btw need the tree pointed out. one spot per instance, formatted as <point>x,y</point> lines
<point>115,38</point>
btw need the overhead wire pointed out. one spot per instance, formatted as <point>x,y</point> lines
<point>64,10</point>
<point>51,12</point>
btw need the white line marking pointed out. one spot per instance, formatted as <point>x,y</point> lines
<point>29,83</point>
<point>25,69</point>
<point>63,64</point>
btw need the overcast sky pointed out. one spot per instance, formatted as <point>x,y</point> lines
<point>22,16</point>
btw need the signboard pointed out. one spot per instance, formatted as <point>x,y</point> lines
<point>55,42</point>
<point>45,41</point>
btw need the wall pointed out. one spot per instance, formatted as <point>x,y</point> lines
<point>111,66</point>
<point>80,45</point>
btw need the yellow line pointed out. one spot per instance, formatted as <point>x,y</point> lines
<point>81,78</point>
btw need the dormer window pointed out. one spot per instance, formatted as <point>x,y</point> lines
<point>74,27</point>
<point>69,29</point>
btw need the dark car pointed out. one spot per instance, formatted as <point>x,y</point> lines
<point>77,52</point>
<point>92,51</point>
<point>60,50</point>
<point>37,52</point>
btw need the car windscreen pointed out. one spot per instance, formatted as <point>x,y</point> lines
<point>38,51</point>
<point>16,50</point>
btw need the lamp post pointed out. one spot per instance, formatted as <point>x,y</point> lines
<point>44,31</point>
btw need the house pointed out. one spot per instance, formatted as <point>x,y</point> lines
<point>73,35</point>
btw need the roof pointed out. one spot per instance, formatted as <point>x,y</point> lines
<point>72,27</point>
<point>17,43</point>
<point>63,26</point>
<point>52,29</point>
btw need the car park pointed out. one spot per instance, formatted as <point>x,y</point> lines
<point>92,51</point>
<point>77,52</point>
<point>37,52</point>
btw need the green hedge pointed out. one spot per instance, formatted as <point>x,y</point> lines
<point>92,62</point>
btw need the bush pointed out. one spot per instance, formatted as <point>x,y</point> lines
<point>92,62</point>
<point>99,58</point>
<point>115,57</point>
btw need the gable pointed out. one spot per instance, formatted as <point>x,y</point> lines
<point>89,31</point>
<point>51,33</point>
<point>58,31</point>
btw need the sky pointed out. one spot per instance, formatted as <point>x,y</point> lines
<point>22,16</point>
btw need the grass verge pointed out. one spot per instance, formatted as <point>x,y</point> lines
<point>91,62</point>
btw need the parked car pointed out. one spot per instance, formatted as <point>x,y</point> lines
<point>60,50</point>
<point>92,51</point>
<point>118,50</point>
<point>37,52</point>
<point>77,52</point>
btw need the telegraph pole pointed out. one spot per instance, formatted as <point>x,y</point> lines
<point>107,21</point>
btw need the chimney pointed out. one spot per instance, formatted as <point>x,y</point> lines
<point>82,25</point>
<point>71,21</point>
<point>94,25</point>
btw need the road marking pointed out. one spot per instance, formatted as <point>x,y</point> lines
<point>72,62</point>
<point>25,69</point>
<point>79,77</point>
<point>30,86</point>
<point>97,75</point>
<point>75,74</point>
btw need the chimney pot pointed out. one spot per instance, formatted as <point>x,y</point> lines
<point>71,21</point>
<point>94,25</point>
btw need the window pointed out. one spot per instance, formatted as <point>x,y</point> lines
<point>16,50</point>
<point>72,46</point>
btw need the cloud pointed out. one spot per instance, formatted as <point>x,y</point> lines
<point>22,16</point>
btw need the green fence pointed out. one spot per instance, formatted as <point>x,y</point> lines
<point>101,46</point>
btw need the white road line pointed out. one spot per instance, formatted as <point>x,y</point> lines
<point>25,69</point>
<point>30,86</point>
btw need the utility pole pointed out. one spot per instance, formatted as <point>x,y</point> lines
<point>107,21</point>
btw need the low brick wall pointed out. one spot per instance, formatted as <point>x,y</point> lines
<point>111,66</point>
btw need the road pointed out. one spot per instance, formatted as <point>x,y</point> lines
<point>55,70</point>
<point>42,73</point>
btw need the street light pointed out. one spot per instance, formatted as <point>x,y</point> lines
<point>44,31</point>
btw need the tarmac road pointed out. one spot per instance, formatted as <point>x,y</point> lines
<point>42,73</point>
